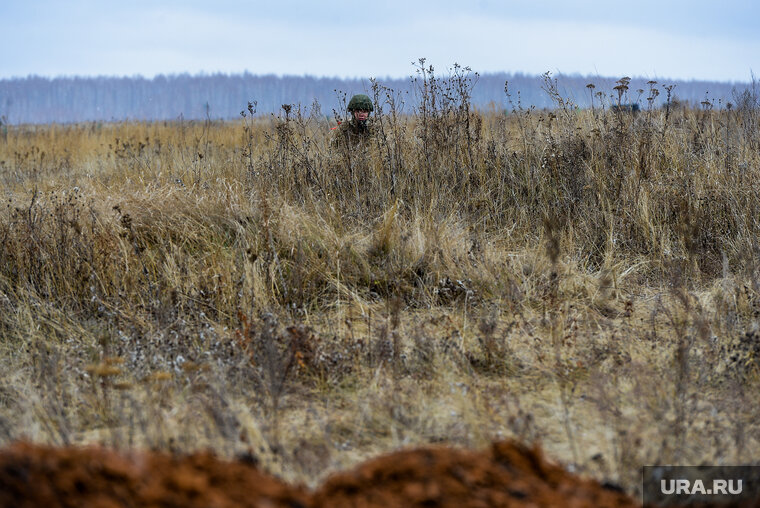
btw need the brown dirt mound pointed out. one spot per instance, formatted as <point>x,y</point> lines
<point>505,475</point>
<point>40,476</point>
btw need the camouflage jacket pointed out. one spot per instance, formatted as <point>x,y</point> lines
<point>350,134</point>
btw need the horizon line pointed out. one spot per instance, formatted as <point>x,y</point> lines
<point>246,73</point>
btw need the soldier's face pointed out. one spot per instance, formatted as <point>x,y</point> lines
<point>360,115</point>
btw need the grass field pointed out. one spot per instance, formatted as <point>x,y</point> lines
<point>586,279</point>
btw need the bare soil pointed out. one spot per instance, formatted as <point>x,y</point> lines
<point>507,474</point>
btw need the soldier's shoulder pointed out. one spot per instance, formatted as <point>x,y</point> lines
<point>339,133</point>
<point>343,126</point>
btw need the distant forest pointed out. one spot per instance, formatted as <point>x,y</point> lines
<point>221,96</point>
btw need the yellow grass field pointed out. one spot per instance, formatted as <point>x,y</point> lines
<point>585,279</point>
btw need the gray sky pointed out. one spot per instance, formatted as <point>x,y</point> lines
<point>678,39</point>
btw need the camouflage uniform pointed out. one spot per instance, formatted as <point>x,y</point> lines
<point>352,132</point>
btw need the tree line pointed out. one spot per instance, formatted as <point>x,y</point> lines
<point>36,99</point>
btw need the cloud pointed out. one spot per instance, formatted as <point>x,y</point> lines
<point>381,39</point>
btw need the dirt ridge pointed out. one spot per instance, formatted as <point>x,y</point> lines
<point>506,474</point>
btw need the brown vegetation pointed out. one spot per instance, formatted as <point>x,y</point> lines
<point>583,279</point>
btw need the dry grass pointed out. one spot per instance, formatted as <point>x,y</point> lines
<point>587,279</point>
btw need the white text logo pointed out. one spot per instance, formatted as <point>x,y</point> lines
<point>679,487</point>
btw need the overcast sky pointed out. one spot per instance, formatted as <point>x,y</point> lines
<point>679,39</point>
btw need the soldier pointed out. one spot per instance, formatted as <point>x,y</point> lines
<point>359,127</point>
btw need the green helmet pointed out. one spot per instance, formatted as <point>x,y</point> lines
<point>360,102</point>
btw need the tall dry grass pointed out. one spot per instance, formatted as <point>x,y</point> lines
<point>584,278</point>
